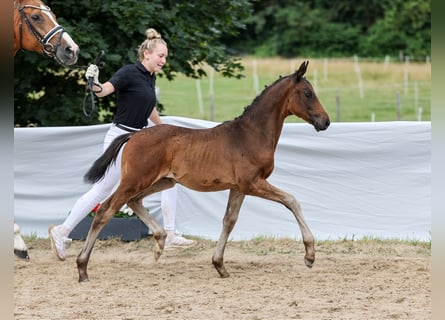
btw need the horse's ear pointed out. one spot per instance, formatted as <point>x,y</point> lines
<point>298,75</point>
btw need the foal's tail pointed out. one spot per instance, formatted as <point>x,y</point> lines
<point>100,166</point>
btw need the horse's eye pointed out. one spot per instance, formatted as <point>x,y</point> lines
<point>36,17</point>
<point>308,94</point>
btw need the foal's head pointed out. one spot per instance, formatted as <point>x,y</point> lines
<point>303,102</point>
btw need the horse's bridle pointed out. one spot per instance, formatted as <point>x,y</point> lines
<point>48,49</point>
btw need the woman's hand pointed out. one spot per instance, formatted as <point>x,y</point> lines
<point>92,73</point>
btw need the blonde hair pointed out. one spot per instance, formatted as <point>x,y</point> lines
<point>153,39</point>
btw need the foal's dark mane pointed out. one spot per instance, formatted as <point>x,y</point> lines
<point>254,102</point>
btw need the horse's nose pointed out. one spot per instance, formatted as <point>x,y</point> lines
<point>68,51</point>
<point>322,123</point>
<point>70,54</point>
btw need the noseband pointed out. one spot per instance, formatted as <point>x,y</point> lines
<point>48,49</point>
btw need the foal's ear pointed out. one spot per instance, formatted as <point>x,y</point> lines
<point>298,75</point>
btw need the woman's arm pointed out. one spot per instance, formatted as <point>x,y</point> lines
<point>154,117</point>
<point>107,88</point>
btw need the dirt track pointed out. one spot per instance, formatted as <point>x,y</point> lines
<point>350,280</point>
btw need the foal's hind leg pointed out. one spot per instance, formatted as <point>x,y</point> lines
<point>158,232</point>
<point>231,216</point>
<point>102,217</point>
<point>135,203</point>
<point>264,189</point>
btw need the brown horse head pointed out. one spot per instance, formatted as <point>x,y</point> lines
<point>36,29</point>
<point>303,102</point>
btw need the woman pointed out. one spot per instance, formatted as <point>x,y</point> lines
<point>136,99</point>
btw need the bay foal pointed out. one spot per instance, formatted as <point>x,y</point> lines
<point>237,155</point>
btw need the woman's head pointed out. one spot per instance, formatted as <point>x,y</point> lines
<point>153,51</point>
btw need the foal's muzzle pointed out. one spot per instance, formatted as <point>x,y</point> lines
<point>321,123</point>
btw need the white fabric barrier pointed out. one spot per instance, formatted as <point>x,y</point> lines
<point>352,180</point>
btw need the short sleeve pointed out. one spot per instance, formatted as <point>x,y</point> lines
<point>120,79</point>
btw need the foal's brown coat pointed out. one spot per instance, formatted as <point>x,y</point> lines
<point>236,155</point>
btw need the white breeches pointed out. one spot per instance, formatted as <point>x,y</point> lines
<point>103,188</point>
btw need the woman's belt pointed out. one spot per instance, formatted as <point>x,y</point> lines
<point>126,128</point>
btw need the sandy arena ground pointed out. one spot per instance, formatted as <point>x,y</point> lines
<point>350,280</point>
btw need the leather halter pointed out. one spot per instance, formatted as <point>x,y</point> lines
<point>48,49</point>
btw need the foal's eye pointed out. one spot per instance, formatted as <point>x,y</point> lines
<point>308,94</point>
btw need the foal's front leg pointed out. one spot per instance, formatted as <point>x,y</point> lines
<point>231,216</point>
<point>264,189</point>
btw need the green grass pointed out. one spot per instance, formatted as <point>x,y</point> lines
<point>336,78</point>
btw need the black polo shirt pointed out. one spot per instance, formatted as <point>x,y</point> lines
<point>136,96</point>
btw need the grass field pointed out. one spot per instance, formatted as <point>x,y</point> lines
<point>351,91</point>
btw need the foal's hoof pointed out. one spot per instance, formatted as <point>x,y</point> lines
<point>309,262</point>
<point>157,252</point>
<point>221,271</point>
<point>85,280</point>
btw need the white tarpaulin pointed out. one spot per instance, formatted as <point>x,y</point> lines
<point>352,180</point>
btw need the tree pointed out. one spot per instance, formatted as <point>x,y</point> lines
<point>309,27</point>
<point>405,27</point>
<point>48,94</point>
<point>321,28</point>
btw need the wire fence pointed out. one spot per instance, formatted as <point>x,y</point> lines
<point>350,89</point>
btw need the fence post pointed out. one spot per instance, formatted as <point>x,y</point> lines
<point>337,102</point>
<point>387,58</point>
<point>325,69</point>
<point>399,117</point>
<point>359,76</point>
<point>406,74</point>
<point>419,114</point>
<point>292,66</point>
<point>416,96</point>
<point>211,94</point>
<point>199,94</point>
<point>315,82</point>
<point>256,85</point>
